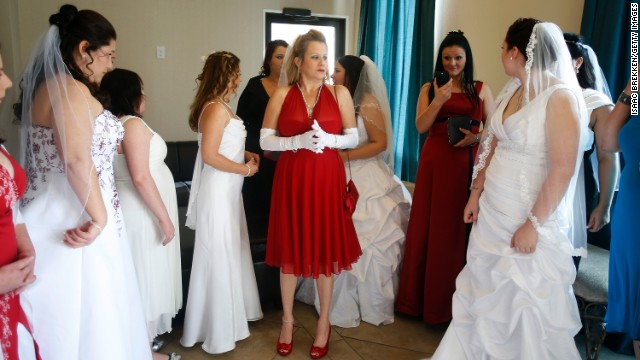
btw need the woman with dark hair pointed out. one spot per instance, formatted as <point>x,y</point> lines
<point>594,195</point>
<point>621,134</point>
<point>514,297</point>
<point>223,294</point>
<point>17,255</point>
<point>256,191</point>
<point>436,235</point>
<point>149,204</point>
<point>85,293</point>
<point>311,232</point>
<point>367,291</point>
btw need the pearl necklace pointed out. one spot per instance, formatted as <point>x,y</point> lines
<point>309,108</point>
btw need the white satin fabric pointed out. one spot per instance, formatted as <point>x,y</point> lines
<point>158,268</point>
<point>87,297</point>
<point>223,294</point>
<point>511,305</point>
<point>367,291</point>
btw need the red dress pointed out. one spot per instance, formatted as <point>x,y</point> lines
<point>310,230</point>
<point>11,189</point>
<point>437,236</point>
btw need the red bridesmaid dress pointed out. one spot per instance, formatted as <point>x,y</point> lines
<point>310,230</point>
<point>437,236</point>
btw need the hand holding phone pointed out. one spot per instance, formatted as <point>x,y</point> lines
<point>441,77</point>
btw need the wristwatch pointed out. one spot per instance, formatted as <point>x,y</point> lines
<point>624,98</point>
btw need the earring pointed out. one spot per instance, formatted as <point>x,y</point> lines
<point>510,57</point>
<point>577,70</point>
<point>84,57</point>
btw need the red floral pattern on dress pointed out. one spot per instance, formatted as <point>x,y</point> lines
<point>42,158</point>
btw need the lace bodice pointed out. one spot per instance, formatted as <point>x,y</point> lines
<point>43,160</point>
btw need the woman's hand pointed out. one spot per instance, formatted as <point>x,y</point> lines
<point>82,235</point>
<point>253,167</point>
<point>442,94</point>
<point>469,138</point>
<point>600,216</point>
<point>471,209</point>
<point>17,275</point>
<point>248,155</point>
<point>525,239</point>
<point>168,230</point>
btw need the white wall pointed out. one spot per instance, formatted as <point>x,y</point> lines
<point>188,29</point>
<point>485,24</point>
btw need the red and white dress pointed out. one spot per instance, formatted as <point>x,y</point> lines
<point>11,314</point>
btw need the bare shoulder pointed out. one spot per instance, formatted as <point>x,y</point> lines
<point>281,92</point>
<point>562,97</point>
<point>214,111</point>
<point>485,92</point>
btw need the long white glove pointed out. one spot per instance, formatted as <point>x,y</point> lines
<point>270,141</point>
<point>348,140</point>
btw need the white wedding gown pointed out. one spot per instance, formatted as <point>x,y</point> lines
<point>511,305</point>
<point>85,303</point>
<point>367,291</point>
<point>223,294</point>
<point>158,268</point>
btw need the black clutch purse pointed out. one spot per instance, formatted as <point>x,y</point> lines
<point>454,124</point>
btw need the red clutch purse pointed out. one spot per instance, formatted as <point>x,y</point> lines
<point>351,198</point>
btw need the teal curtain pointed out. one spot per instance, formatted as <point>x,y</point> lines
<point>398,37</point>
<point>605,26</point>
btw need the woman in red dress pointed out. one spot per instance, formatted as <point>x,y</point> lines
<point>436,239</point>
<point>17,255</point>
<point>311,233</point>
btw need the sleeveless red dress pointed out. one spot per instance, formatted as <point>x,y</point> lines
<point>11,189</point>
<point>310,230</point>
<point>437,236</point>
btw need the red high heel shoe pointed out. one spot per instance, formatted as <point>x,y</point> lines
<point>284,349</point>
<point>318,352</point>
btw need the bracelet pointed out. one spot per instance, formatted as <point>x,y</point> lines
<point>248,169</point>
<point>624,98</point>
<point>534,221</point>
<point>93,223</point>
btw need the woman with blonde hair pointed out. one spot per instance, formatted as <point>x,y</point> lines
<point>311,233</point>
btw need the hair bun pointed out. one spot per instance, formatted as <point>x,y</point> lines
<point>65,16</point>
<point>455,32</point>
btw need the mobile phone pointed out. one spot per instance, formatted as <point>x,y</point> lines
<point>441,77</point>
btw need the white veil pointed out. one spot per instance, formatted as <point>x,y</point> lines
<point>600,83</point>
<point>548,68</point>
<point>47,88</point>
<point>370,101</point>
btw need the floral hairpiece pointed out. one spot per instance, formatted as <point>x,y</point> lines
<point>221,53</point>
<point>533,40</point>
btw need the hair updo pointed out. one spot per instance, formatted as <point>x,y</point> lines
<point>586,75</point>
<point>299,48</point>
<point>76,26</point>
<point>519,33</point>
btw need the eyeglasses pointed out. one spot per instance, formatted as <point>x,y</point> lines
<point>111,55</point>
